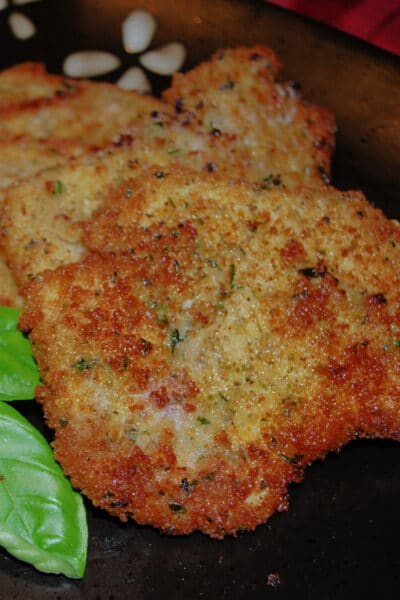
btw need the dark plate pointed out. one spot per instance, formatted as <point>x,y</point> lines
<point>340,536</point>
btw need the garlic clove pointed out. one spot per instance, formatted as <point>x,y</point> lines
<point>21,26</point>
<point>135,79</point>
<point>165,60</point>
<point>137,31</point>
<point>90,63</point>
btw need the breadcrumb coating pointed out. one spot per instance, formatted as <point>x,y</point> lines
<point>216,340</point>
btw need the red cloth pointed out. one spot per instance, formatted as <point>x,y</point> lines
<point>376,21</point>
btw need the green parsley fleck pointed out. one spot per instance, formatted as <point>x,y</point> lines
<point>234,285</point>
<point>271,180</point>
<point>212,262</point>
<point>175,339</point>
<point>58,187</point>
<point>82,364</point>
<point>203,420</point>
<point>220,307</point>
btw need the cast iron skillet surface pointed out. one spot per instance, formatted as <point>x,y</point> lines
<point>339,538</point>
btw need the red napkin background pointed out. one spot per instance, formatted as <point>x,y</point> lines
<point>376,21</point>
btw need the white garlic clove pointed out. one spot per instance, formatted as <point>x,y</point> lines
<point>135,79</point>
<point>21,26</point>
<point>90,63</point>
<point>165,60</point>
<point>137,31</point>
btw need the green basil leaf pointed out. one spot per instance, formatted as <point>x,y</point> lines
<point>18,371</point>
<point>42,520</point>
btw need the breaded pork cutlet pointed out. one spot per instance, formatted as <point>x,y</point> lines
<point>29,83</point>
<point>90,113</point>
<point>46,119</point>
<point>43,214</point>
<point>22,157</point>
<point>232,102</point>
<point>234,98</point>
<point>217,340</point>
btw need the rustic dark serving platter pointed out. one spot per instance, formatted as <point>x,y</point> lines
<point>340,536</point>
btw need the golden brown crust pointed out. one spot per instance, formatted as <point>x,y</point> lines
<point>181,358</point>
<point>26,83</point>
<point>259,143</point>
<point>22,157</point>
<point>88,114</point>
<point>234,98</point>
<point>44,121</point>
<point>217,339</point>
<point>42,216</point>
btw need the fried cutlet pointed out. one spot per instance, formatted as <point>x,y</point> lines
<point>234,98</point>
<point>41,218</point>
<point>90,113</point>
<point>22,157</point>
<point>27,83</point>
<point>45,119</point>
<point>233,101</point>
<point>42,228</point>
<point>217,339</point>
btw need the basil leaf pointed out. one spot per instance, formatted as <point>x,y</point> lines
<point>18,371</point>
<point>42,520</point>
